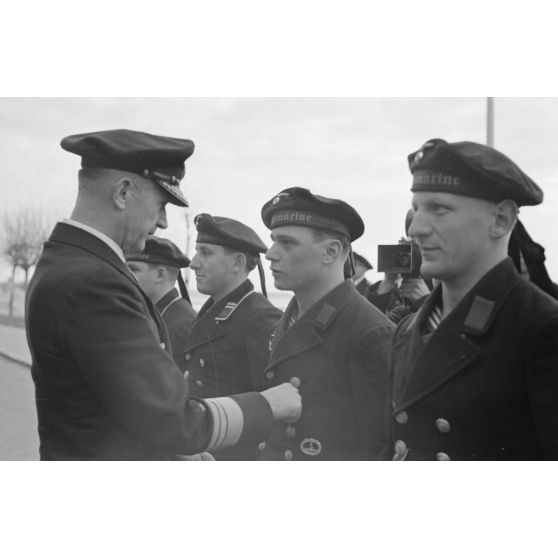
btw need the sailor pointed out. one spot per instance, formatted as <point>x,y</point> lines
<point>475,371</point>
<point>157,268</point>
<point>331,342</point>
<point>229,344</point>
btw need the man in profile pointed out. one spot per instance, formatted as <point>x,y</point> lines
<point>330,342</point>
<point>157,268</point>
<point>475,371</point>
<point>229,345</point>
<point>106,386</point>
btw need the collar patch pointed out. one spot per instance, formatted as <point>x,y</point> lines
<point>479,314</point>
<point>324,315</point>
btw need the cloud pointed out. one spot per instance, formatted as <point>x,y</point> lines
<point>247,149</point>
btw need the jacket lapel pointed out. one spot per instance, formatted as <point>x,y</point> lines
<point>308,330</point>
<point>208,325</point>
<point>458,340</point>
<point>282,325</point>
<point>164,302</point>
<point>446,354</point>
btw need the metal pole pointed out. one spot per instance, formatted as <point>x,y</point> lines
<point>186,274</point>
<point>490,121</point>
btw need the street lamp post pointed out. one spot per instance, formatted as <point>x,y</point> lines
<point>490,121</point>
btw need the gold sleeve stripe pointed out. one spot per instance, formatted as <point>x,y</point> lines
<point>228,422</point>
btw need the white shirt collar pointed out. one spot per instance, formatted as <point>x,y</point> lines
<point>101,236</point>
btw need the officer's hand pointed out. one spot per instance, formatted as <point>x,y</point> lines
<point>413,288</point>
<point>196,457</point>
<point>285,402</point>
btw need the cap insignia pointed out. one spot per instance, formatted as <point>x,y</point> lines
<point>170,180</point>
<point>278,197</point>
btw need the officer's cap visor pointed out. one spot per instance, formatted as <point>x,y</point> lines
<point>170,184</point>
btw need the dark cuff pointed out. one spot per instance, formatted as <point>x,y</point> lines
<point>258,418</point>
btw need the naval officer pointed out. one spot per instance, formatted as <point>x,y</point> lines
<point>106,386</point>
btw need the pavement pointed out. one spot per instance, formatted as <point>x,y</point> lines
<point>19,439</point>
<point>18,416</point>
<point>13,345</point>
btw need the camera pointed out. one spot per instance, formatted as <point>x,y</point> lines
<point>403,258</point>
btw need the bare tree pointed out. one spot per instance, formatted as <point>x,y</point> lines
<point>187,221</point>
<point>22,235</point>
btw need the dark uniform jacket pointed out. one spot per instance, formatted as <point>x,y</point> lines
<point>485,384</point>
<point>228,349</point>
<point>104,387</point>
<point>338,353</point>
<point>179,317</point>
<point>362,287</point>
<point>383,302</point>
<point>391,303</point>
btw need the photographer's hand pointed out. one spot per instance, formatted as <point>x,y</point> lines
<point>387,284</point>
<point>413,288</point>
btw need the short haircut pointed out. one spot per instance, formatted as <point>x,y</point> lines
<point>318,235</point>
<point>172,271</point>
<point>98,174</point>
<point>93,173</point>
<point>251,260</point>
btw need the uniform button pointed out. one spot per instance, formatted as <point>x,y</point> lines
<point>270,374</point>
<point>199,383</point>
<point>291,431</point>
<point>295,382</point>
<point>187,356</point>
<point>262,446</point>
<point>441,456</point>
<point>402,417</point>
<point>400,447</point>
<point>288,455</point>
<point>202,362</point>
<point>443,425</point>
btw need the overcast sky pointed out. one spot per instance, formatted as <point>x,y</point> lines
<point>248,149</point>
